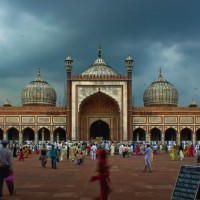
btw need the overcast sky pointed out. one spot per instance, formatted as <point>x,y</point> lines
<point>156,33</point>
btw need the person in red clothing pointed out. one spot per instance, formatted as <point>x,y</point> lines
<point>21,155</point>
<point>103,175</point>
<point>191,151</point>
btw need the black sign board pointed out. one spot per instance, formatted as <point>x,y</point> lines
<point>187,183</point>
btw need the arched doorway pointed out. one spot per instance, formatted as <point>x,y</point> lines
<point>100,129</point>
<point>46,133</point>
<point>99,108</point>
<point>13,134</point>
<point>155,135</point>
<point>139,135</point>
<point>186,136</point>
<point>59,135</point>
<point>170,137</point>
<point>28,135</point>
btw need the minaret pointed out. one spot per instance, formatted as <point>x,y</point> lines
<point>129,68</point>
<point>68,68</point>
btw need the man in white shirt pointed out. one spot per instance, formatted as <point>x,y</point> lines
<point>147,157</point>
<point>93,152</point>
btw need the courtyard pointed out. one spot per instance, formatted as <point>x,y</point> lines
<point>70,181</point>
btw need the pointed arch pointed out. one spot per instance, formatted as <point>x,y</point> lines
<point>139,135</point>
<point>28,134</point>
<point>13,134</point>
<point>59,134</point>
<point>100,128</point>
<point>46,134</point>
<point>155,134</point>
<point>170,134</point>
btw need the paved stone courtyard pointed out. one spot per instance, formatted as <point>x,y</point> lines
<point>70,181</point>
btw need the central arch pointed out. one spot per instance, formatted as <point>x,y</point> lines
<point>100,129</point>
<point>99,116</point>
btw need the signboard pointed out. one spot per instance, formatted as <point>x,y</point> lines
<point>187,183</point>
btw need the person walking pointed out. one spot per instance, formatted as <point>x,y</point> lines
<point>180,153</point>
<point>6,167</point>
<point>147,158</point>
<point>93,152</point>
<point>43,154</point>
<point>103,175</point>
<point>112,150</point>
<point>53,156</point>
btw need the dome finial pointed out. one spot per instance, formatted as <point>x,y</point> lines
<point>160,77</point>
<point>39,75</point>
<point>99,55</point>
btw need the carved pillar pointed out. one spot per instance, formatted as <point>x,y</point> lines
<point>178,142</point>
<point>52,137</point>
<point>20,138</point>
<point>194,138</point>
<point>42,136</point>
<point>57,137</point>
<point>36,138</point>
<point>163,138</point>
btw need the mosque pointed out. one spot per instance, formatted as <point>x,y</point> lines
<point>99,105</point>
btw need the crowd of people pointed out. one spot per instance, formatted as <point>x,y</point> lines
<point>77,151</point>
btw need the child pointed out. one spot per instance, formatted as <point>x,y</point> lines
<point>21,155</point>
<point>103,175</point>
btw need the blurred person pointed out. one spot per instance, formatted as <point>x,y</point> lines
<point>147,157</point>
<point>53,155</point>
<point>172,153</point>
<point>21,154</point>
<point>93,152</point>
<point>180,153</point>
<point>43,155</point>
<point>191,151</point>
<point>6,167</point>
<point>112,150</point>
<point>103,175</point>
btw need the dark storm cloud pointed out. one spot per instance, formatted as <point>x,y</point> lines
<point>155,33</point>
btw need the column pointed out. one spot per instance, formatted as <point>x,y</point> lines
<point>42,136</point>
<point>36,138</point>
<point>162,138</point>
<point>178,142</point>
<point>57,137</point>
<point>194,138</point>
<point>5,135</point>
<point>51,138</point>
<point>20,138</point>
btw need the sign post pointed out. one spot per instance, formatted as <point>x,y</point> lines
<point>187,184</point>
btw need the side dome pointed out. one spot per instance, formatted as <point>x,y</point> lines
<point>160,93</point>
<point>99,68</point>
<point>38,92</point>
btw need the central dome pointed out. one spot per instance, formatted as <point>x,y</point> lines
<point>99,68</point>
<point>160,93</point>
<point>38,92</point>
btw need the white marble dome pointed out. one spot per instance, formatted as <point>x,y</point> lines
<point>38,92</point>
<point>99,68</point>
<point>160,93</point>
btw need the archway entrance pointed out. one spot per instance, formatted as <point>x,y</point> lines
<point>100,129</point>
<point>99,116</point>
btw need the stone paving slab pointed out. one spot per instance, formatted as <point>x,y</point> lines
<point>70,181</point>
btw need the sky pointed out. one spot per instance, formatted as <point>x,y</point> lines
<point>156,33</point>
